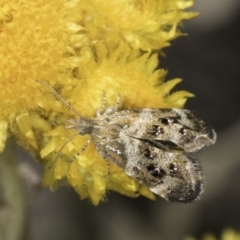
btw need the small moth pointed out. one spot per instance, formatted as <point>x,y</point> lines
<point>154,146</point>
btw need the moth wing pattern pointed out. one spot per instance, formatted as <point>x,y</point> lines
<point>174,128</point>
<point>176,177</point>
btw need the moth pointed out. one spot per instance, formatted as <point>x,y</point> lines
<point>154,146</point>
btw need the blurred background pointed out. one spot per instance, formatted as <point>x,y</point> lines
<point>208,61</point>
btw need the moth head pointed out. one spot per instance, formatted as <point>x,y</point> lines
<point>82,126</point>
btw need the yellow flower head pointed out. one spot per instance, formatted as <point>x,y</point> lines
<point>83,49</point>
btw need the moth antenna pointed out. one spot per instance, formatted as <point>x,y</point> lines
<point>60,98</point>
<point>63,146</point>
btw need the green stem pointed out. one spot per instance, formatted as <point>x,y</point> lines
<point>12,196</point>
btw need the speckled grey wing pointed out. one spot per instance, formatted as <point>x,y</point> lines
<point>174,176</point>
<point>172,128</point>
<point>143,143</point>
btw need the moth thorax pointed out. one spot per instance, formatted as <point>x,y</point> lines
<point>83,125</point>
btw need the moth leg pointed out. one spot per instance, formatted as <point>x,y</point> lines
<point>108,167</point>
<point>115,107</point>
<point>82,150</point>
<point>102,109</point>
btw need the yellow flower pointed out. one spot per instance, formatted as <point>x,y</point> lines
<point>83,49</point>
